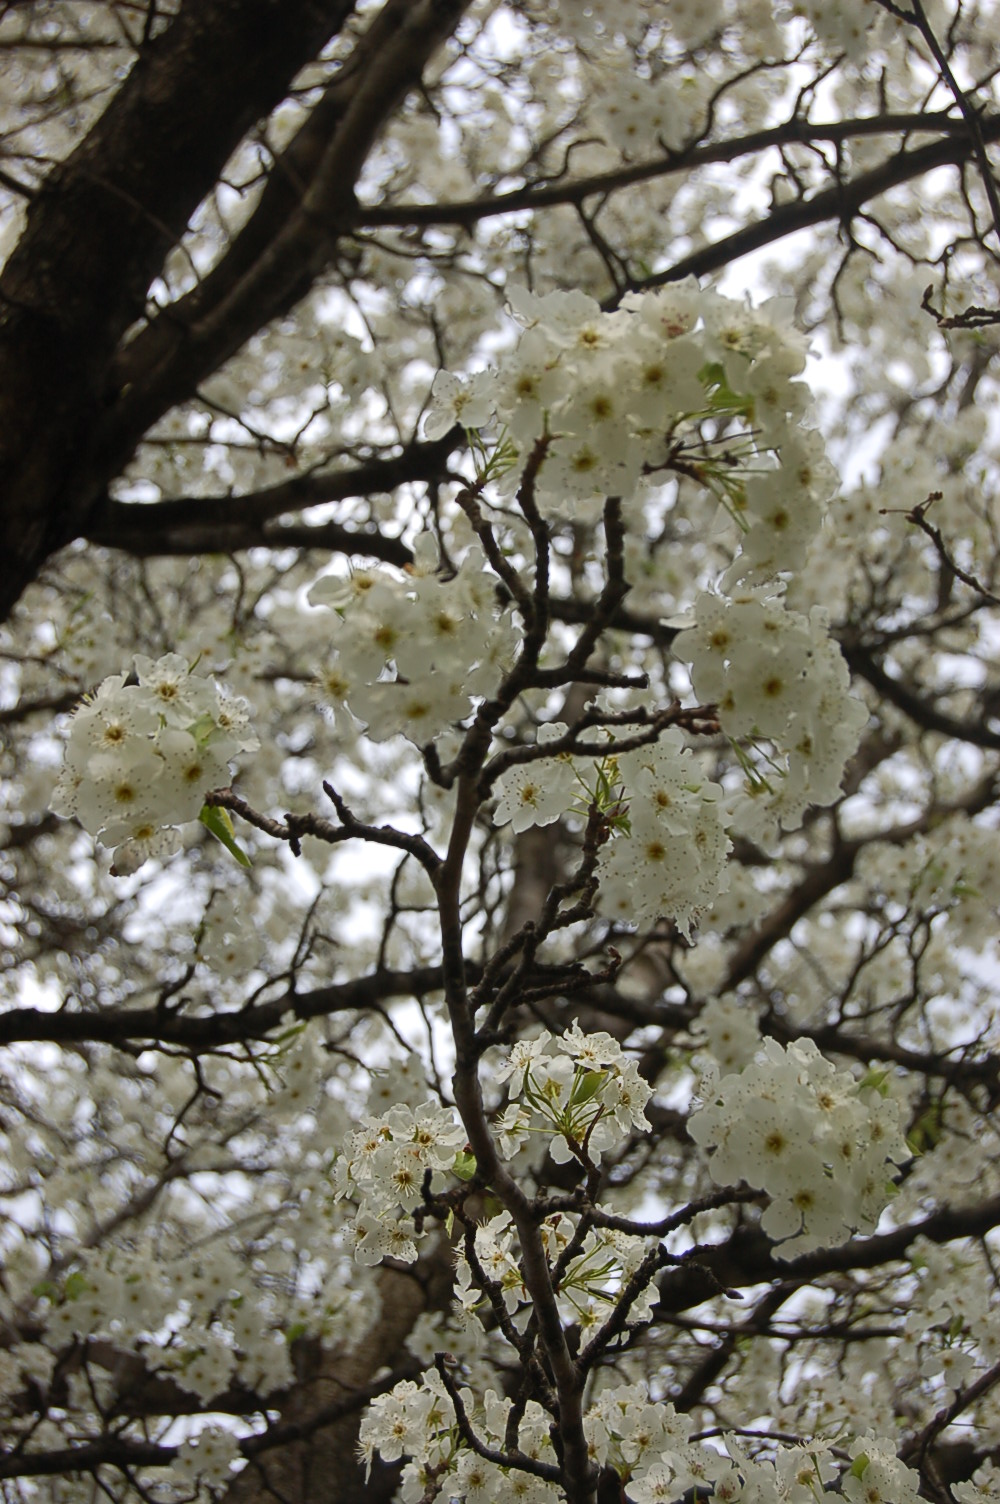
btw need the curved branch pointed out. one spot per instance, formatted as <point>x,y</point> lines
<point>97,233</point>
<point>921,711</point>
<point>532,197</point>
<point>839,203</point>
<point>748,1257</point>
<point>264,275</point>
<point>224,524</point>
<point>161,1026</point>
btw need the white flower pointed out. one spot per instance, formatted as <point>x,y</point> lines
<point>983,1488</point>
<point>420,710</point>
<point>777,1126</point>
<point>539,791</point>
<point>524,1053</point>
<point>141,757</point>
<point>453,400</point>
<point>883,1478</point>
<point>209,1457</point>
<point>180,696</point>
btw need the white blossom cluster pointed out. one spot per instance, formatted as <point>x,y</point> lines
<point>141,757</point>
<point>220,1328</point>
<point>617,398</point>
<point>668,857</point>
<point>579,1090</point>
<point>853,28</point>
<point>952,1326</point>
<point>673,859</point>
<point>384,1166</point>
<point>607,403</point>
<point>647,1442</point>
<point>224,940</point>
<point>495,1246</point>
<point>589,1286</point>
<point>412,652</point>
<point>778,677</point>
<point>635,111</point>
<point>415,1420</point>
<point>207,1460</point>
<point>821,1144</point>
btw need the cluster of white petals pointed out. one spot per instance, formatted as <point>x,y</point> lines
<point>820,1143</point>
<point>141,756</point>
<point>648,1443</point>
<point>672,860</point>
<point>412,1420</point>
<point>385,1165</point>
<point>776,677</point>
<point>670,843</point>
<point>608,404</point>
<point>207,1459</point>
<point>205,1297</point>
<point>412,652</point>
<point>591,1282</point>
<point>580,1090</point>
<point>614,399</point>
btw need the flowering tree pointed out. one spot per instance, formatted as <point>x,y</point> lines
<point>501,867</point>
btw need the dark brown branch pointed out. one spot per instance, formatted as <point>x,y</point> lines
<point>518,1460</point>
<point>822,879</point>
<point>918,516</point>
<point>226,523</point>
<point>747,1257</point>
<point>839,203</point>
<point>970,114</point>
<point>265,275</point>
<point>125,1451</point>
<point>294,827</point>
<point>922,711</point>
<point>97,234</point>
<point>157,1026</point>
<point>533,196</point>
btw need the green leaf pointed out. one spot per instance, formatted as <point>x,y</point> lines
<point>859,1464</point>
<point>281,1041</point>
<point>465,1165</point>
<point>721,397</point>
<point>587,1085</point>
<point>927,1130</point>
<point>76,1284</point>
<point>218,821</point>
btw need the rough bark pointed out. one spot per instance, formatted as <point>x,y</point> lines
<point>98,232</point>
<point>324,1465</point>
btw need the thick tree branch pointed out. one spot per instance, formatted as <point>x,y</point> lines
<point>164,1026</point>
<point>747,1256</point>
<point>227,523</point>
<point>266,274</point>
<point>839,204</point>
<point>565,190</point>
<point>98,232</point>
